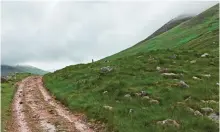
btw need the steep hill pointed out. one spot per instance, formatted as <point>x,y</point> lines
<point>197,29</point>
<point>168,83</point>
<point>169,25</point>
<point>6,70</point>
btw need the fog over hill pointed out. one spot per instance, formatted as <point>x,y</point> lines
<point>53,34</point>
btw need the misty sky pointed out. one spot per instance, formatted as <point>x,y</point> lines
<point>52,35</point>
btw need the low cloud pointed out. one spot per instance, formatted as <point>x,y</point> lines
<point>51,35</point>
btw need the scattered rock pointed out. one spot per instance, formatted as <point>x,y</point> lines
<point>139,56</point>
<point>217,84</point>
<point>198,113</point>
<point>193,61</point>
<point>204,55</point>
<point>207,110</point>
<point>190,109</point>
<point>173,56</point>
<point>158,68</point>
<point>169,122</point>
<point>196,78</point>
<point>131,110</point>
<point>209,101</point>
<point>127,95</point>
<point>214,117</point>
<point>106,69</point>
<point>108,107</point>
<point>169,74</point>
<point>146,97</point>
<point>21,102</point>
<point>153,101</point>
<point>105,92</point>
<point>206,75</point>
<point>143,93</point>
<point>138,94</point>
<point>183,84</point>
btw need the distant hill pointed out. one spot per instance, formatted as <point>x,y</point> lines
<point>7,69</point>
<point>169,25</point>
<point>199,31</point>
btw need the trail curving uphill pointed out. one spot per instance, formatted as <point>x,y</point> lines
<point>34,110</point>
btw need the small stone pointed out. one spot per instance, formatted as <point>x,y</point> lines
<point>198,113</point>
<point>146,97</point>
<point>206,75</point>
<point>127,95</point>
<point>214,117</point>
<point>173,56</point>
<point>183,84</point>
<point>196,78</point>
<point>131,110</point>
<point>204,55</point>
<point>190,109</point>
<point>105,92</point>
<point>209,101</point>
<point>212,102</point>
<point>153,101</point>
<point>193,61</point>
<point>138,94</point>
<point>106,69</point>
<point>169,74</point>
<point>21,102</point>
<point>169,122</point>
<point>108,107</point>
<point>158,68</point>
<point>217,84</point>
<point>143,93</point>
<point>207,110</point>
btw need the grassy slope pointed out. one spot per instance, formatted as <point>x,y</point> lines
<point>81,87</point>
<point>169,25</point>
<point>7,92</point>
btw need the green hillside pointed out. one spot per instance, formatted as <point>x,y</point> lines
<point>31,69</point>
<point>169,25</point>
<point>7,69</point>
<point>170,77</point>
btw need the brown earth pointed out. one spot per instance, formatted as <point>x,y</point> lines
<point>34,110</point>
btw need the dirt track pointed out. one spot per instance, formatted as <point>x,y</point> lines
<point>34,110</point>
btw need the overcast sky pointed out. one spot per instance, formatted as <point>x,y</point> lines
<point>52,35</point>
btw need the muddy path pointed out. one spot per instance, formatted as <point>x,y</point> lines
<point>34,110</point>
